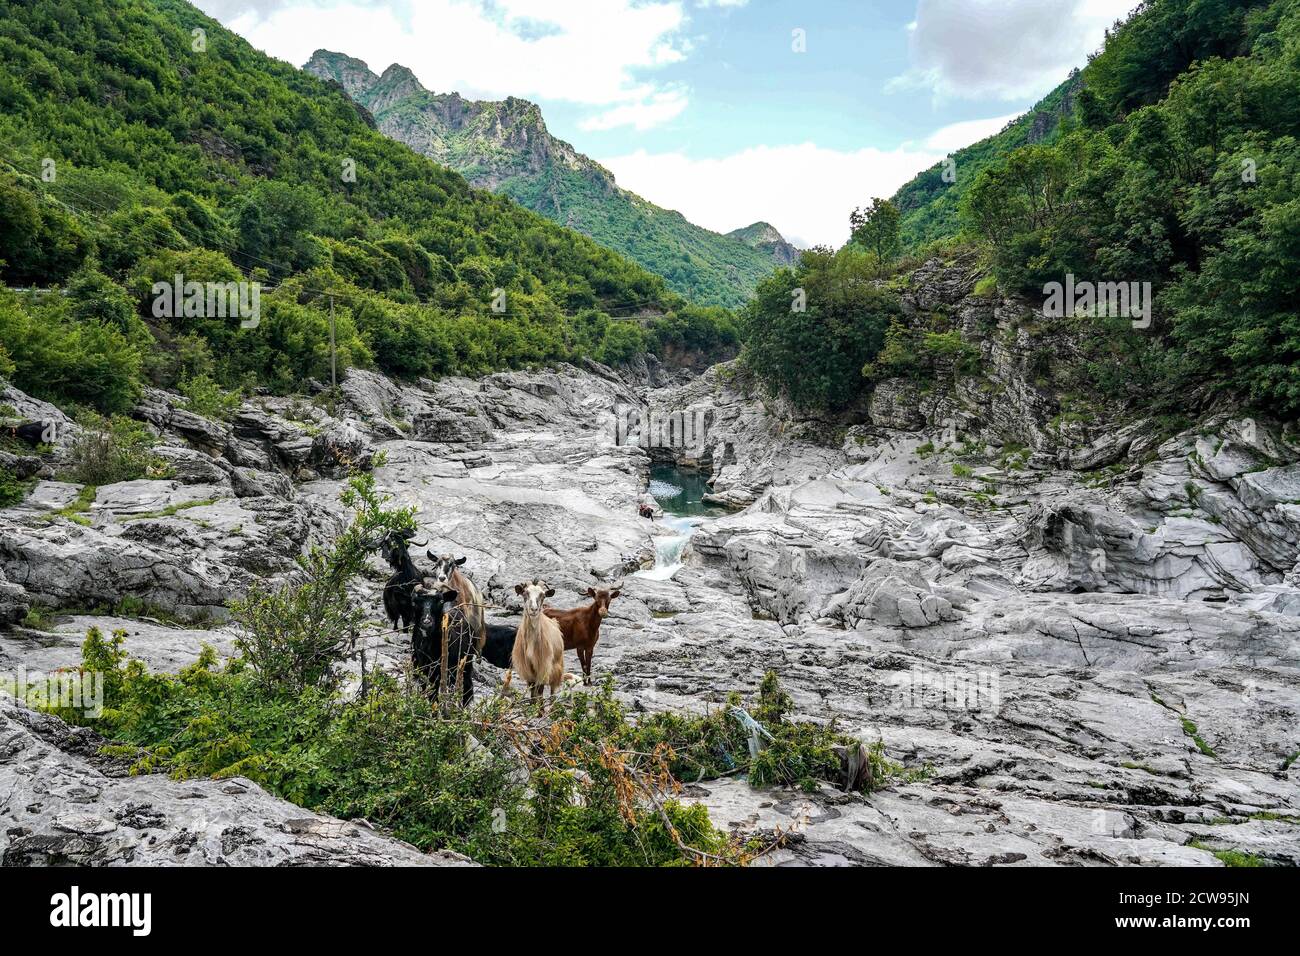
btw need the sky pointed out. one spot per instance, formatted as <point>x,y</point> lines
<point>730,111</point>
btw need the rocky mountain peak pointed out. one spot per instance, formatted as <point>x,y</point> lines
<point>354,75</point>
<point>505,146</point>
<point>765,237</point>
<point>398,76</point>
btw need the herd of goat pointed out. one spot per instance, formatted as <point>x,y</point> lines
<point>445,614</point>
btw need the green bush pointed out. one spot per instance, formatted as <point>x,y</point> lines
<point>113,449</point>
<point>56,356</point>
<point>12,489</point>
<point>205,397</point>
<point>816,357</point>
<point>591,787</point>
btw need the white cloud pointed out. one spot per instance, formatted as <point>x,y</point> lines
<point>805,191</point>
<point>590,52</point>
<point>1006,49</point>
<point>653,110</point>
<point>949,139</point>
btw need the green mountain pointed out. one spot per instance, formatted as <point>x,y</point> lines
<point>139,140</point>
<point>505,146</point>
<point>929,203</point>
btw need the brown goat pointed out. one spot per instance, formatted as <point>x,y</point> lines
<point>581,626</point>
<point>538,654</point>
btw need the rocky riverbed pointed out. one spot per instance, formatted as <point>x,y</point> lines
<point>1082,644</point>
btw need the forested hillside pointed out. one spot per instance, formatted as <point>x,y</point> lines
<point>1178,165</point>
<point>930,204</point>
<point>1183,171</point>
<point>506,147</point>
<point>140,140</point>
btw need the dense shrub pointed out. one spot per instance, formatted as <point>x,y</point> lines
<point>816,357</point>
<point>12,488</point>
<point>588,787</point>
<point>57,356</point>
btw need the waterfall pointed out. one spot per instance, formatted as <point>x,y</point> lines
<point>679,494</point>
<point>670,548</point>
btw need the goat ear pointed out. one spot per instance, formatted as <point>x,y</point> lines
<point>460,561</point>
<point>519,589</point>
<point>550,592</point>
<point>432,556</point>
<point>591,592</point>
<point>615,593</point>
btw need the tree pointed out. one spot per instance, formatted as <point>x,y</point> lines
<point>274,221</point>
<point>815,357</point>
<point>876,228</point>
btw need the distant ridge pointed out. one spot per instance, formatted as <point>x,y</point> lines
<point>505,146</point>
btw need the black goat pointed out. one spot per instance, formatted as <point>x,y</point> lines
<point>442,638</point>
<point>33,433</point>
<point>399,590</point>
<point>500,644</point>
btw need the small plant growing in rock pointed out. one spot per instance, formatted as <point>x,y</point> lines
<point>12,489</point>
<point>205,397</point>
<point>114,449</point>
<point>35,619</point>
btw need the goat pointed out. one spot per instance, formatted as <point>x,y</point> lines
<point>538,654</point>
<point>500,644</point>
<point>33,433</point>
<point>449,576</point>
<point>399,588</point>
<point>442,644</point>
<point>581,626</point>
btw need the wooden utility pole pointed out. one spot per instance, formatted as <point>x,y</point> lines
<point>334,360</point>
